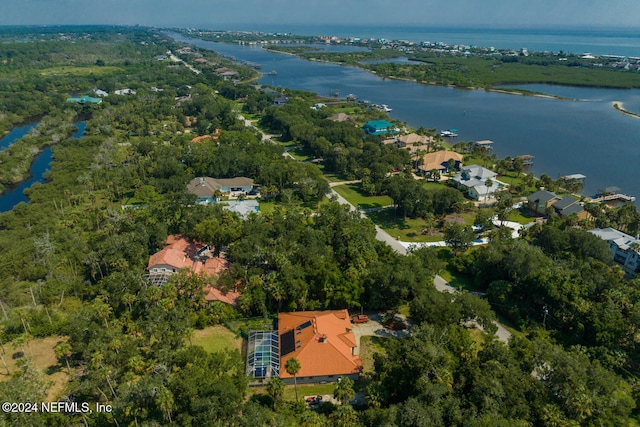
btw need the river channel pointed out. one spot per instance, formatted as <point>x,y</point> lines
<point>584,135</point>
<point>15,194</point>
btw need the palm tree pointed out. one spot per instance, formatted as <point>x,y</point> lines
<point>275,388</point>
<point>344,390</point>
<point>165,402</point>
<point>61,350</point>
<point>293,367</point>
<point>488,183</point>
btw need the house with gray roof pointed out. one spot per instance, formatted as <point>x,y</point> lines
<point>564,206</point>
<point>280,101</point>
<point>539,201</point>
<point>624,248</point>
<point>474,179</point>
<point>205,188</point>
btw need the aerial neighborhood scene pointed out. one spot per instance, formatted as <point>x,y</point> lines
<point>319,214</point>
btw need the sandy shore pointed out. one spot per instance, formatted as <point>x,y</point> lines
<point>618,105</point>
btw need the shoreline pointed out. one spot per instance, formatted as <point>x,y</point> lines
<point>404,79</point>
<point>619,106</point>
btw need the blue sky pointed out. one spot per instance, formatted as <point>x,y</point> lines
<point>247,14</point>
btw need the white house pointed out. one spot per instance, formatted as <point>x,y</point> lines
<point>474,178</point>
<point>100,92</point>
<point>125,91</point>
<point>624,248</point>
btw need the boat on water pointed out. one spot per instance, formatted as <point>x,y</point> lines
<point>448,133</point>
<point>386,108</point>
<point>272,73</point>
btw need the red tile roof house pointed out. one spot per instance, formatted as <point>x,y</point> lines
<point>323,343</point>
<point>183,253</point>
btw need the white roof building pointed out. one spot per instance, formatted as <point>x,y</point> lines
<point>624,248</point>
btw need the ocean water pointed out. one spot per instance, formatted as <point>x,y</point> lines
<point>598,41</point>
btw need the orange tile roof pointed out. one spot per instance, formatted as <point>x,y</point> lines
<point>436,159</point>
<point>325,347</point>
<point>215,266</point>
<point>214,294</point>
<point>201,138</point>
<point>414,137</point>
<point>182,252</point>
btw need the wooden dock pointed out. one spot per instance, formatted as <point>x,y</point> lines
<point>527,159</point>
<point>485,144</point>
<point>614,197</point>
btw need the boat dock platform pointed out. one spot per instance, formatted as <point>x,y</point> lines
<point>485,143</point>
<point>614,198</point>
<point>527,159</point>
<point>577,176</point>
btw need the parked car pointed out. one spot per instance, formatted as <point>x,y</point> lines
<point>360,318</point>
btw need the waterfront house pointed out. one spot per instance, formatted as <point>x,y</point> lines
<point>568,205</point>
<point>543,202</point>
<point>322,341</point>
<point>474,179</point>
<point>225,72</point>
<point>624,248</point>
<point>413,139</point>
<point>539,201</point>
<point>439,160</point>
<point>379,127</point>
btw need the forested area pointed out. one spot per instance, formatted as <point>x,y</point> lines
<point>74,260</point>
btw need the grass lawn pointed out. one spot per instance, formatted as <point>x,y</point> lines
<point>353,194</point>
<point>290,143</point>
<point>332,177</point>
<point>457,280</point>
<point>301,154</point>
<point>454,278</point>
<point>430,185</point>
<point>43,358</point>
<point>267,205</point>
<point>407,230</point>
<point>521,216</point>
<point>307,390</point>
<point>216,338</point>
<point>370,346</point>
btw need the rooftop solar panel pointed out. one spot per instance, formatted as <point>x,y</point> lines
<point>304,325</point>
<point>287,343</point>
